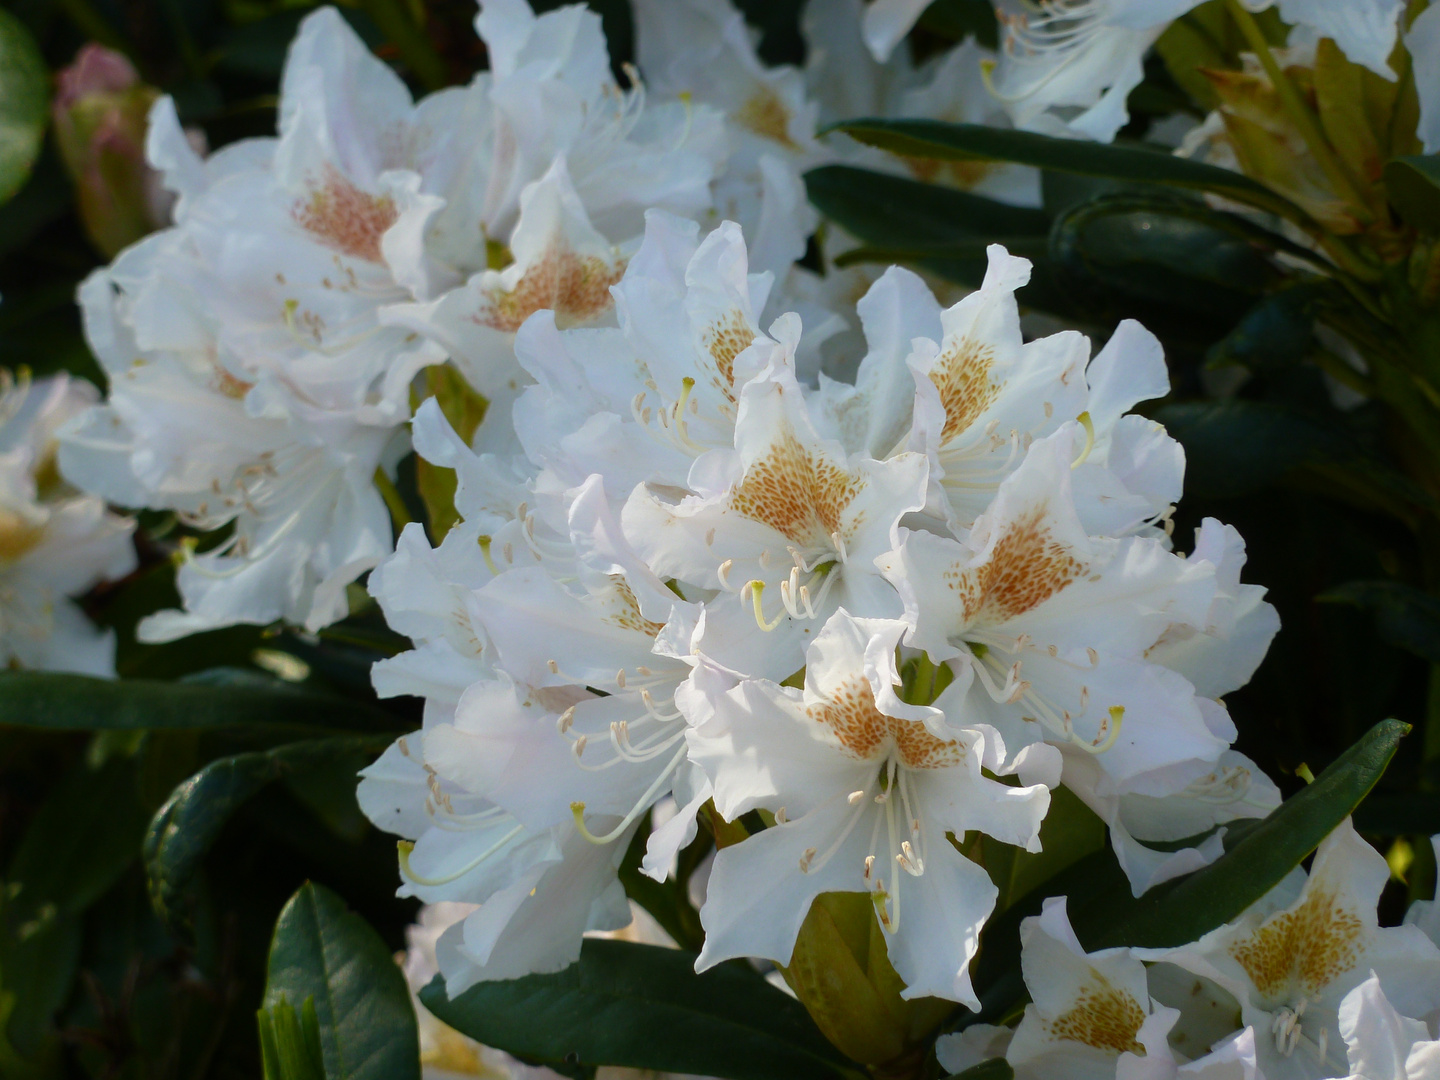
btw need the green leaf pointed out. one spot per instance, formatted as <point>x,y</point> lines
<point>644,1007</point>
<point>1131,163</point>
<point>958,19</point>
<point>994,1069</point>
<point>941,229</point>
<point>61,702</point>
<point>24,103</point>
<point>1406,617</point>
<point>1412,185</point>
<point>1237,447</point>
<point>78,844</point>
<point>1183,911</point>
<point>183,830</point>
<point>1277,332</point>
<point>290,1041</point>
<point>326,954</point>
<point>1070,831</point>
<point>1166,250</point>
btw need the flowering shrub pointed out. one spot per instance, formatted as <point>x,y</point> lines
<point>721,536</point>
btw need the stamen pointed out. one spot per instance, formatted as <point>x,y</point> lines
<point>1089,426</point>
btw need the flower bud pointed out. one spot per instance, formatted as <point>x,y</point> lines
<point>100,111</point>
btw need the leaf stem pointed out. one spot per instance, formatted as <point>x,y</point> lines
<point>399,513</point>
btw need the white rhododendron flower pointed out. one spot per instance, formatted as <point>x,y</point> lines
<point>864,796</point>
<point>1092,1016</point>
<point>1067,66</point>
<point>1382,1044</point>
<point>55,543</point>
<point>1291,964</point>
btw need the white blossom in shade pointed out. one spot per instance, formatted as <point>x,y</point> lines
<point>185,428</point>
<point>55,542</point>
<point>983,394</point>
<point>1091,1016</point>
<point>886,22</point>
<point>787,525</point>
<point>1068,67</point>
<point>702,51</point>
<point>640,403</point>
<point>865,798</point>
<point>1046,626</point>
<point>1380,1043</point>
<point>1422,41</point>
<point>1291,966</point>
<point>1426,913</point>
<point>847,83</point>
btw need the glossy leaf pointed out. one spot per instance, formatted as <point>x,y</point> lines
<point>183,830</point>
<point>1183,911</point>
<point>325,954</point>
<point>63,702</point>
<point>1275,333</point>
<point>1164,251</point>
<point>24,103</point>
<point>644,1007</point>
<point>1133,163</point>
<point>1406,617</point>
<point>1412,184</point>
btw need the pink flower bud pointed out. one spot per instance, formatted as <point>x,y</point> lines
<point>100,111</point>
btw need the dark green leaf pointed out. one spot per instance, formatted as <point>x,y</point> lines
<point>994,1069</point>
<point>326,954</point>
<point>1275,333</point>
<point>943,230</point>
<point>24,101</point>
<point>899,212</point>
<point>1238,447</point>
<point>1412,184</point>
<point>1132,163</point>
<point>644,1007</point>
<point>80,841</point>
<point>1185,910</point>
<point>61,702</point>
<point>1406,617</point>
<point>184,829</point>
<point>1164,250</point>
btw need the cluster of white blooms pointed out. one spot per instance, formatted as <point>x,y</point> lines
<point>691,570</point>
<point>55,542</point>
<point>1305,985</point>
<point>1067,66</point>
<point>885,613</point>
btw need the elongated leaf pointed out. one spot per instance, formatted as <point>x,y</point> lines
<point>941,229</point>
<point>326,954</point>
<point>1163,250</point>
<point>1406,617</point>
<point>644,1007</point>
<point>1412,185</point>
<point>183,830</point>
<point>61,702</point>
<point>1275,333</point>
<point>933,139</point>
<point>24,97</point>
<point>1174,914</point>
